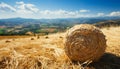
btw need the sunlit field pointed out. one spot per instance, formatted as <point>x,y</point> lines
<point>47,52</point>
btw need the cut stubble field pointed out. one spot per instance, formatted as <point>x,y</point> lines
<point>47,52</point>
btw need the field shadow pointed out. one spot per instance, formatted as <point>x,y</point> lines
<point>107,61</point>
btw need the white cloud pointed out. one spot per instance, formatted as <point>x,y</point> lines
<point>26,8</point>
<point>62,14</point>
<point>21,2</point>
<point>5,7</point>
<point>59,13</point>
<point>83,10</point>
<point>55,12</point>
<point>45,12</point>
<point>117,13</point>
<point>100,14</point>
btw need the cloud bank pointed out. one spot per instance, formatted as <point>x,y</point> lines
<point>27,10</point>
<point>115,13</point>
<point>5,7</point>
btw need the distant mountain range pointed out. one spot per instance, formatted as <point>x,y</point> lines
<point>24,21</point>
<point>21,26</point>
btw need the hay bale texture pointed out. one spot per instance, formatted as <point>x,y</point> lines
<point>85,43</point>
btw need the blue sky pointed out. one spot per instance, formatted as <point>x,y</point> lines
<point>58,8</point>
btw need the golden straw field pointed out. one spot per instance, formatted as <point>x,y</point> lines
<point>47,52</point>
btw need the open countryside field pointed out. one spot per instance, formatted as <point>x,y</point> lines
<point>12,37</point>
<point>47,52</point>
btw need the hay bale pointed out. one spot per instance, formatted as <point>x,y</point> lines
<point>7,41</point>
<point>32,38</point>
<point>46,37</point>
<point>85,43</point>
<point>38,37</point>
<point>60,37</point>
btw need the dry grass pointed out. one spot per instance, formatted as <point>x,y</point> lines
<point>12,37</point>
<point>43,53</point>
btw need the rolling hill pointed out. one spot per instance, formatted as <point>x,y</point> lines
<point>21,26</point>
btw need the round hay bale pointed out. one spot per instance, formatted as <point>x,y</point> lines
<point>46,37</point>
<point>7,41</point>
<point>38,37</point>
<point>32,38</point>
<point>85,43</point>
<point>60,37</point>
